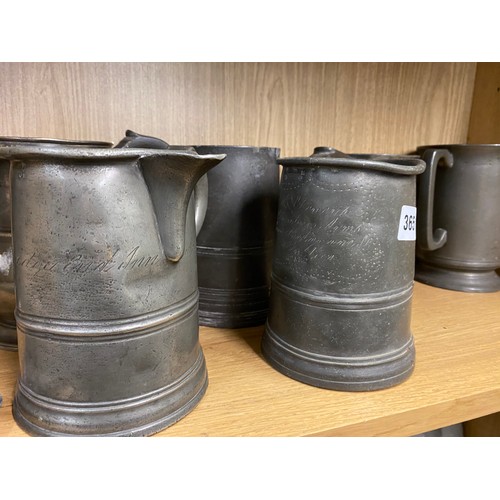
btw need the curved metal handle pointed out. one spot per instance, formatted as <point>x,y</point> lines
<point>200,194</point>
<point>427,238</point>
<point>134,140</point>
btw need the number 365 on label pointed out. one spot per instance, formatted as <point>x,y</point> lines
<point>407,223</point>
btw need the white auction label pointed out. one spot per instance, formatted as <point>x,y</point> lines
<point>407,223</point>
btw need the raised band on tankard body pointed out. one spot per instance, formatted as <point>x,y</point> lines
<point>104,247</point>
<point>458,238</point>
<point>343,268</point>
<point>8,335</point>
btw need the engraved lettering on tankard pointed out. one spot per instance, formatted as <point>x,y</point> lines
<point>343,269</point>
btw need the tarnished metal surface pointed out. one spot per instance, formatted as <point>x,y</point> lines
<point>8,336</point>
<point>458,241</point>
<point>235,245</point>
<point>342,277</point>
<point>106,288</point>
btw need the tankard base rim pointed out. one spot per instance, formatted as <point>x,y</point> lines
<point>367,374</point>
<point>25,409</point>
<point>461,281</point>
<point>144,431</point>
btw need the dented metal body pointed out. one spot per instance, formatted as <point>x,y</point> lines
<point>106,289</point>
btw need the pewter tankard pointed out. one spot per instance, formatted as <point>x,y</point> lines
<point>343,268</point>
<point>235,244</point>
<point>104,247</point>
<point>8,336</point>
<point>458,233</point>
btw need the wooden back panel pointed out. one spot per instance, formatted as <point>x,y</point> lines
<point>355,107</point>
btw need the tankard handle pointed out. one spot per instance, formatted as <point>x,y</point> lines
<point>200,194</point>
<point>428,238</point>
<point>134,140</point>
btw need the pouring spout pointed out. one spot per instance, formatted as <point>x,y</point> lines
<point>171,177</point>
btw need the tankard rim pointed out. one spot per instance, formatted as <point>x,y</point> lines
<point>233,147</point>
<point>55,141</point>
<point>47,151</point>
<point>465,146</point>
<point>398,164</point>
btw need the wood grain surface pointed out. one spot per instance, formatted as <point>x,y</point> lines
<point>456,378</point>
<point>355,107</point>
<point>484,126</point>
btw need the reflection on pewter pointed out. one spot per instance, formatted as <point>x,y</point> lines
<point>106,288</point>
<point>458,243</point>
<point>343,269</point>
<point>8,336</point>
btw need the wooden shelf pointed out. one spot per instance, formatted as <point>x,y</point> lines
<point>457,335</point>
<point>456,378</point>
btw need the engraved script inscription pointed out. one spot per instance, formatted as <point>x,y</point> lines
<point>84,263</point>
<point>336,243</point>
